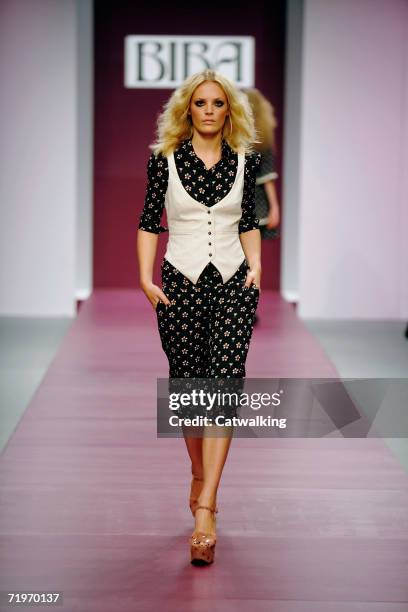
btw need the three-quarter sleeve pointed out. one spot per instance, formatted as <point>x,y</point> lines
<point>248,220</point>
<point>267,170</point>
<point>157,180</point>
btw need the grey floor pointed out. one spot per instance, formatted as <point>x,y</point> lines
<point>28,346</point>
<point>360,349</point>
<point>367,349</point>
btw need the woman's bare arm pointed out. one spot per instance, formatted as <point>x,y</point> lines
<point>273,215</point>
<point>146,254</point>
<point>251,245</point>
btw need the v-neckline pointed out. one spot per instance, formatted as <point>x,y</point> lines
<point>191,197</point>
<point>202,161</point>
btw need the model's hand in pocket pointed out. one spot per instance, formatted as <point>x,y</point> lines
<point>253,278</point>
<point>154,294</point>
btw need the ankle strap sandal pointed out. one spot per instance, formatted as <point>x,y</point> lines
<point>202,545</point>
<point>215,510</point>
<point>195,493</point>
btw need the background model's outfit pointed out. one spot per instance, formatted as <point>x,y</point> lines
<point>267,172</point>
<point>206,330</point>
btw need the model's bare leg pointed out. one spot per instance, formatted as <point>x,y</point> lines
<point>194,445</point>
<point>214,454</point>
<point>194,448</point>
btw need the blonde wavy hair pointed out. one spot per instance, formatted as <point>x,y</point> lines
<point>265,119</point>
<point>174,125</point>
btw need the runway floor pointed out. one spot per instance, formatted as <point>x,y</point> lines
<point>93,504</point>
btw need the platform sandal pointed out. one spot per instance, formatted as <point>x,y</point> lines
<point>202,545</point>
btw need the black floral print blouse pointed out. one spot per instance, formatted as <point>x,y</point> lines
<point>207,186</point>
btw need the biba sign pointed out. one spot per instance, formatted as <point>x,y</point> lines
<point>165,61</point>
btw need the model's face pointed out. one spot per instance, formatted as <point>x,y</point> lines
<point>208,108</point>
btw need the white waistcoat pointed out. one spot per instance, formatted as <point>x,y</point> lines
<point>198,233</point>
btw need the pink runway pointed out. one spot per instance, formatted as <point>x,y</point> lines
<point>94,505</point>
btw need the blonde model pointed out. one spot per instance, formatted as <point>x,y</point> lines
<point>203,171</point>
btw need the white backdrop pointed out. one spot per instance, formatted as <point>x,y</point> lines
<point>45,169</point>
<point>353,189</point>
